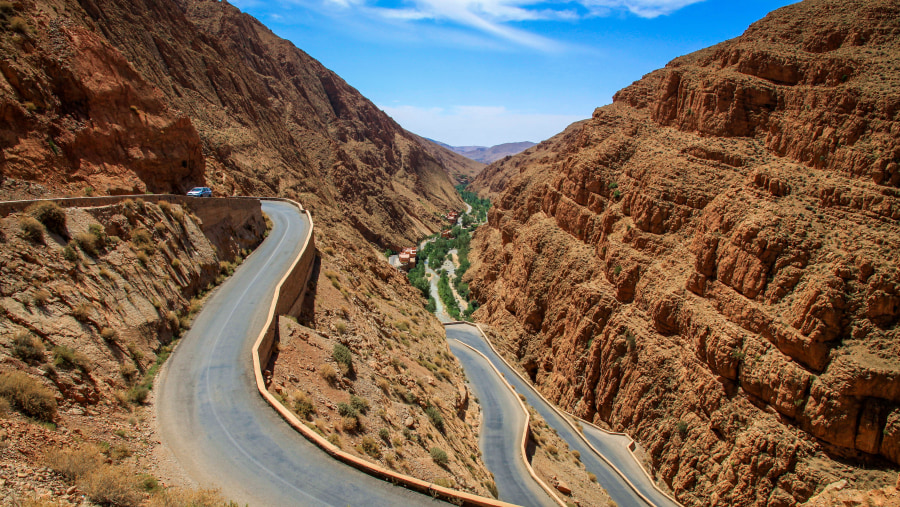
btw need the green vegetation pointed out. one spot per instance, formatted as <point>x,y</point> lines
<point>446,295</point>
<point>439,456</point>
<point>479,206</point>
<point>436,251</point>
<point>346,410</point>
<point>360,404</point>
<point>434,415</point>
<point>138,394</point>
<point>341,354</point>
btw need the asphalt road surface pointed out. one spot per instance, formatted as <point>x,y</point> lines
<point>216,423</point>
<point>502,428</point>
<point>618,489</point>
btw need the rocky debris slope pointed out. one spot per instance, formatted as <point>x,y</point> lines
<point>396,360</point>
<point>710,263</point>
<point>90,303</point>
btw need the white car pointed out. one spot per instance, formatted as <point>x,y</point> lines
<point>200,192</point>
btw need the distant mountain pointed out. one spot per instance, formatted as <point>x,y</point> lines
<point>487,155</point>
<point>460,168</point>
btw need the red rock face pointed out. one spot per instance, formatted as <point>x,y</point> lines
<point>161,96</point>
<point>78,115</point>
<point>710,263</point>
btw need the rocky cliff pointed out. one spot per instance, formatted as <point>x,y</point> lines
<point>710,263</point>
<point>159,96</point>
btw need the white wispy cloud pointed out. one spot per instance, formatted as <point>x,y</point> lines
<point>494,17</point>
<point>479,125</point>
<point>642,8</point>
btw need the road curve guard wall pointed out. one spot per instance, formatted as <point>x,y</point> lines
<point>527,432</point>
<point>568,418</point>
<point>290,289</point>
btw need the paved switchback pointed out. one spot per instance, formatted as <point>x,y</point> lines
<point>617,488</point>
<point>502,428</point>
<point>216,423</point>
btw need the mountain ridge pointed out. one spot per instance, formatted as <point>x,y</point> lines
<point>709,263</point>
<point>488,154</point>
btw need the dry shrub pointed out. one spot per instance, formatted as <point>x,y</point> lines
<point>111,485</point>
<point>32,230</point>
<point>88,243</point>
<point>108,334</point>
<point>165,206</point>
<point>384,385</point>
<point>444,482</point>
<point>66,357</point>
<point>141,237</point>
<point>161,227</point>
<point>40,297</point>
<point>18,24</point>
<point>28,395</point>
<point>82,312</point>
<point>74,463</point>
<point>303,405</point>
<point>370,446</point>
<point>138,394</point>
<point>51,215</point>
<point>129,372</point>
<point>37,502</point>
<point>350,424</point>
<point>181,497</point>
<point>28,347</point>
<point>5,408</point>
<point>328,373</point>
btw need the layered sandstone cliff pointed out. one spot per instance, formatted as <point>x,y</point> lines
<point>710,263</point>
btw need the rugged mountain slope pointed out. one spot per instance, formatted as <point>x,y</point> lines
<point>112,96</point>
<point>710,262</point>
<point>163,95</point>
<point>85,323</point>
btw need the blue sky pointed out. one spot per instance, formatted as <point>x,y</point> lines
<point>485,72</point>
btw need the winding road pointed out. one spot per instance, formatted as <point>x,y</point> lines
<point>613,447</point>
<point>503,424</point>
<point>214,420</point>
<point>226,436</point>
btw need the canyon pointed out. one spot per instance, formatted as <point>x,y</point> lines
<point>113,97</point>
<point>710,262</point>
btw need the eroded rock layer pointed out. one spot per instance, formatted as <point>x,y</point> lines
<point>710,263</point>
